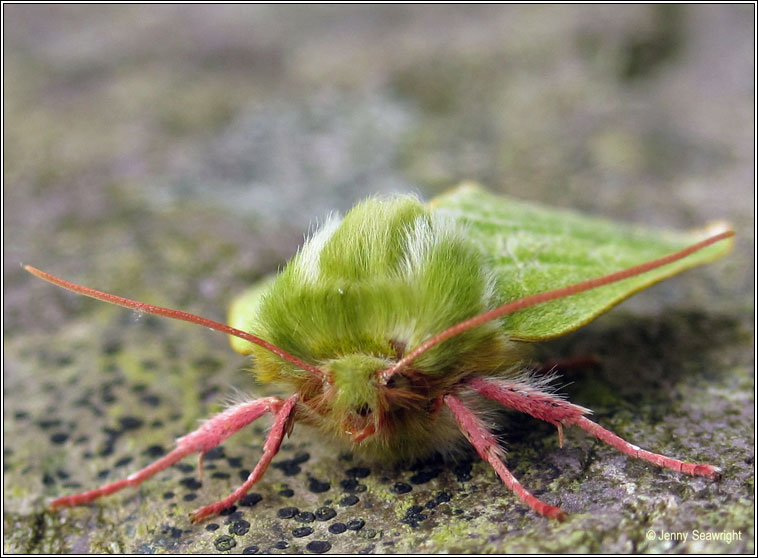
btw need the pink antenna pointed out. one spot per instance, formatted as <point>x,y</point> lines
<point>547,296</point>
<point>174,314</point>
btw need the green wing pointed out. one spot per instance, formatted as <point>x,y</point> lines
<point>535,249</point>
<point>242,311</point>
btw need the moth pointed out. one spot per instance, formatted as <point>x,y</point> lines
<point>393,326</point>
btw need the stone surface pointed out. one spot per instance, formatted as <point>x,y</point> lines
<point>175,154</point>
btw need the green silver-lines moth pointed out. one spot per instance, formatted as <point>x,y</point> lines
<point>394,328</point>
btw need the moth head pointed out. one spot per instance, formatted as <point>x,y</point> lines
<point>355,388</point>
<point>362,404</point>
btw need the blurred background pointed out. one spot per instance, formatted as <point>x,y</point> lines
<point>175,154</point>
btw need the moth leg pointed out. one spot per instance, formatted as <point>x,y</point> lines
<point>487,447</point>
<point>551,408</point>
<point>210,434</point>
<point>282,426</point>
<point>694,469</point>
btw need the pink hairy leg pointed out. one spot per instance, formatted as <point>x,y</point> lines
<point>487,447</point>
<point>550,408</point>
<point>694,469</point>
<point>282,425</point>
<point>210,434</point>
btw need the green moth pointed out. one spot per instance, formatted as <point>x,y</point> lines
<point>392,327</point>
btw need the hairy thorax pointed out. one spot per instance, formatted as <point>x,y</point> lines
<point>356,298</point>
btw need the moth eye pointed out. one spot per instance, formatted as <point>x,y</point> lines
<point>364,410</point>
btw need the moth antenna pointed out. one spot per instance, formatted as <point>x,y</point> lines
<point>174,314</point>
<point>547,296</point>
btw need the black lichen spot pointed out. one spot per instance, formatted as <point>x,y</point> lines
<point>234,462</point>
<point>212,527</point>
<point>305,517</point>
<point>400,488</point>
<point>224,543</point>
<point>168,495</point>
<point>106,396</point>
<point>191,483</point>
<point>352,486</point>
<point>154,451</point>
<point>48,479</point>
<point>355,524</point>
<point>130,422</point>
<point>173,532</point>
<point>239,527</point>
<point>317,486</point>
<point>463,471</point>
<point>287,513</point>
<point>414,516</point>
<point>185,467</point>
<point>443,496</point>
<point>151,400</point>
<point>189,497</point>
<point>422,477</point>
<point>249,500</point>
<point>106,449</point>
<point>301,457</point>
<point>61,474</point>
<point>289,467</point>
<point>228,511</point>
<point>123,461</point>
<point>84,401</point>
<point>215,453</point>
<point>350,500</point>
<point>302,532</point>
<point>358,472</point>
<point>59,438</point>
<point>252,549</point>
<point>437,500</point>
<point>281,545</point>
<point>220,475</point>
<point>318,547</point>
<point>337,528</point>
<point>244,474</point>
<point>325,513</point>
<point>51,423</point>
<point>287,493</point>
